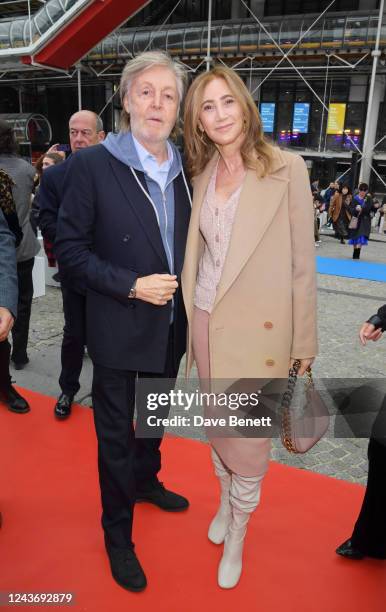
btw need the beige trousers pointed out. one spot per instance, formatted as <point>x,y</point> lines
<point>244,456</point>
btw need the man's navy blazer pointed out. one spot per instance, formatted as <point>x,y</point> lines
<point>107,236</point>
<point>50,197</point>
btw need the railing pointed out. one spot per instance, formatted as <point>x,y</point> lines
<point>243,38</point>
<point>22,32</point>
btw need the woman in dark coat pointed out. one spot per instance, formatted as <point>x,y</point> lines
<point>339,211</point>
<point>360,209</point>
<point>368,538</point>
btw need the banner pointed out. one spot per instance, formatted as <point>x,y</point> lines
<point>301,117</point>
<point>336,117</point>
<point>267,112</point>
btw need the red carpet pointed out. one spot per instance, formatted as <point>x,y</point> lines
<point>51,538</point>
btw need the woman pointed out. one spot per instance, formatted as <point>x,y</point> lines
<point>22,174</point>
<point>51,158</point>
<point>248,279</point>
<point>339,211</point>
<point>368,538</point>
<point>360,209</point>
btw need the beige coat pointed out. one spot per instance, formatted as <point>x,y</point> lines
<point>265,307</point>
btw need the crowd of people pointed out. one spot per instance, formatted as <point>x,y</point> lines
<point>352,216</point>
<point>155,260</point>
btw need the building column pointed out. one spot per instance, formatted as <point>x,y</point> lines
<point>365,5</point>
<point>379,92</point>
<point>252,83</point>
<point>257,7</point>
<point>238,10</point>
<point>358,88</point>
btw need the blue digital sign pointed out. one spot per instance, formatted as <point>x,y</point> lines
<point>301,117</point>
<point>267,112</point>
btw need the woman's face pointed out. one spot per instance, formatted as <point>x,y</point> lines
<point>47,162</point>
<point>344,190</point>
<point>221,116</point>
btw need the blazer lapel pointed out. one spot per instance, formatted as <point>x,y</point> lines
<point>141,206</point>
<point>258,204</point>
<point>195,243</point>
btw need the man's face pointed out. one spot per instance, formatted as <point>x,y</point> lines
<point>152,103</point>
<point>83,132</point>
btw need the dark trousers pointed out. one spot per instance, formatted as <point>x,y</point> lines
<point>126,463</point>
<point>5,351</point>
<point>21,327</point>
<point>74,340</point>
<point>369,534</point>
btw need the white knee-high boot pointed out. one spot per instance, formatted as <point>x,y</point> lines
<point>220,523</point>
<point>244,497</point>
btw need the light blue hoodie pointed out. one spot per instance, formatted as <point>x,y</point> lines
<point>122,147</point>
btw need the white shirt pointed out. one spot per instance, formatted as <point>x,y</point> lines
<point>157,172</point>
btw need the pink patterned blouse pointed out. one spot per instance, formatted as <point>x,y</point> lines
<point>216,220</point>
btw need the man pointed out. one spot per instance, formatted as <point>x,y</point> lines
<point>121,235</point>
<point>22,174</point>
<point>85,130</point>
<point>369,535</point>
<point>8,295</point>
<point>10,237</point>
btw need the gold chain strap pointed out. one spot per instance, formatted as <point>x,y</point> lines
<point>286,431</point>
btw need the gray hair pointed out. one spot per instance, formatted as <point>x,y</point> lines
<point>142,62</point>
<point>99,124</point>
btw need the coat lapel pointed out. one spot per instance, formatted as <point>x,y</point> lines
<point>258,204</point>
<point>141,206</point>
<point>195,243</point>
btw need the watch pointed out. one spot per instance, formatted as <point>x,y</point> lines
<point>133,291</point>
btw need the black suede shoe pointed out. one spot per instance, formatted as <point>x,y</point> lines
<point>19,365</point>
<point>347,550</point>
<point>62,408</point>
<point>126,569</point>
<point>14,401</point>
<point>164,499</point>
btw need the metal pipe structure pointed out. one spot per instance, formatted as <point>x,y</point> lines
<point>208,57</point>
<point>367,145</point>
<point>79,88</point>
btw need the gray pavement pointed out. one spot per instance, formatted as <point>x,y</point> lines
<point>343,304</point>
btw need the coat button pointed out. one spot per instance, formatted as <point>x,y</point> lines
<point>270,363</point>
<point>268,325</point>
<point>126,238</point>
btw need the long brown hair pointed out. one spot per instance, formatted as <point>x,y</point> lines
<point>256,152</point>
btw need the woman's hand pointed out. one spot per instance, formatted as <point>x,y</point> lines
<point>304,364</point>
<point>368,332</point>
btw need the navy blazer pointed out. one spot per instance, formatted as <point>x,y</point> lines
<point>50,197</point>
<point>107,236</point>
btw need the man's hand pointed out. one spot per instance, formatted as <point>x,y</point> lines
<point>304,365</point>
<point>156,289</point>
<point>6,323</point>
<point>54,149</point>
<point>368,332</point>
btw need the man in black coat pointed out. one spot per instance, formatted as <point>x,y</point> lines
<point>121,238</point>
<point>85,130</point>
<point>369,536</point>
